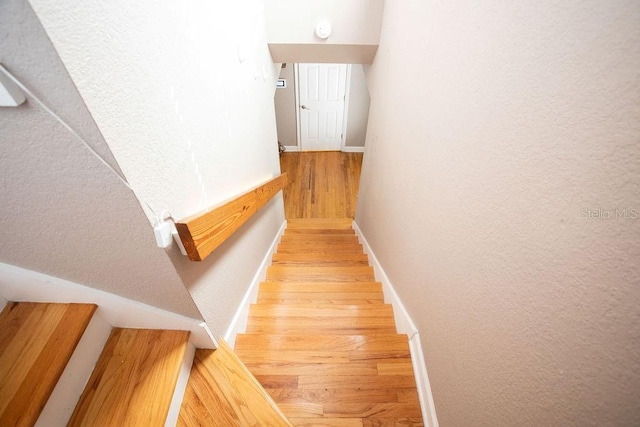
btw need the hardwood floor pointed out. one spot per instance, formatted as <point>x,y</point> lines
<point>322,341</point>
<point>322,184</point>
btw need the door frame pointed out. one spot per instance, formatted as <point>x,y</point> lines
<point>345,114</point>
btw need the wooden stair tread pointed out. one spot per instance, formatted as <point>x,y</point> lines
<point>330,326</point>
<point>319,247</point>
<point>322,356</point>
<point>336,259</point>
<point>134,379</point>
<point>323,342</point>
<point>394,367</point>
<point>222,392</point>
<point>321,310</point>
<point>365,382</point>
<point>288,231</point>
<point>36,342</point>
<point>303,287</point>
<point>320,298</point>
<point>320,223</point>
<point>282,273</point>
<point>330,239</point>
<point>326,422</point>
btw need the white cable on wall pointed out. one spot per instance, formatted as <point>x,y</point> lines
<point>78,137</point>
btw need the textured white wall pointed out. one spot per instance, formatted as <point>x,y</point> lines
<point>61,211</point>
<point>183,94</point>
<point>492,126</point>
<point>355,26</point>
<point>358,114</point>
<point>285,101</point>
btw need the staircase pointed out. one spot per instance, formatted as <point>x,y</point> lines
<point>321,349</point>
<point>320,338</point>
<point>133,382</point>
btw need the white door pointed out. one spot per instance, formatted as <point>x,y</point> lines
<point>321,105</point>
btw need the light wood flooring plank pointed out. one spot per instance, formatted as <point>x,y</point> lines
<point>319,298</point>
<point>393,422</point>
<point>319,248</point>
<point>395,368</point>
<point>36,342</point>
<point>331,326</point>
<point>347,381</point>
<point>320,238</point>
<point>372,410</point>
<point>294,231</point>
<point>361,343</point>
<point>278,356</point>
<point>408,395</point>
<point>222,390</point>
<point>315,311</point>
<point>335,259</point>
<point>279,273</point>
<point>320,223</point>
<point>327,422</point>
<point>134,379</point>
<point>297,368</point>
<point>350,395</point>
<point>329,287</point>
<point>302,410</point>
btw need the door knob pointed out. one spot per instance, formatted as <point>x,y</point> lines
<point>304,107</point>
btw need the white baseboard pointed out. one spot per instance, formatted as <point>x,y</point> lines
<point>291,148</point>
<point>181,387</point>
<point>3,302</point>
<point>19,284</point>
<point>239,322</point>
<point>404,325</point>
<point>58,409</point>
<point>346,149</point>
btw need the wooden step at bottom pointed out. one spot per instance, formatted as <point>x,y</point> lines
<point>291,273</point>
<point>320,223</point>
<point>134,380</point>
<point>222,392</point>
<point>36,342</point>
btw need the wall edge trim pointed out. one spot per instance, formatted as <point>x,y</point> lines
<point>348,149</point>
<point>405,325</point>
